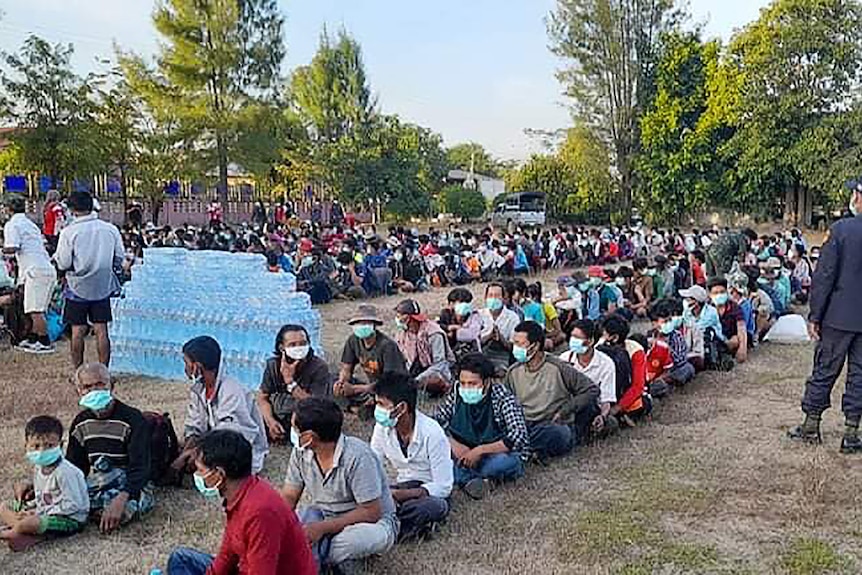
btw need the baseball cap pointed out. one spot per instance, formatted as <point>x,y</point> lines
<point>695,292</point>
<point>410,308</point>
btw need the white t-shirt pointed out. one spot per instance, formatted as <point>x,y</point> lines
<point>601,370</point>
<point>506,322</point>
<point>62,492</point>
<point>22,234</point>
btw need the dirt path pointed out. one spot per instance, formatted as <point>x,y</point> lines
<point>709,486</point>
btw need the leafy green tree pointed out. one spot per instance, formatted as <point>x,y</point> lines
<point>218,59</point>
<point>467,203</point>
<point>680,171</point>
<point>472,156</point>
<point>797,70</point>
<point>52,108</point>
<point>118,121</point>
<point>610,46</point>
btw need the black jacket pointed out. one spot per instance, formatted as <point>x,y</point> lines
<point>836,289</point>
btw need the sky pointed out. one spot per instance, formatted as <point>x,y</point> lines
<point>471,70</point>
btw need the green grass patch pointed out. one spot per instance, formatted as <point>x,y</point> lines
<point>605,533</point>
<point>813,557</point>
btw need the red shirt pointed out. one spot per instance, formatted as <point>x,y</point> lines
<point>632,399</point>
<point>659,359</point>
<point>697,274</point>
<point>263,535</point>
<point>51,214</point>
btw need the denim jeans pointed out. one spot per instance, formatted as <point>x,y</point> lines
<point>551,439</point>
<point>416,515</point>
<point>186,561</point>
<point>498,466</point>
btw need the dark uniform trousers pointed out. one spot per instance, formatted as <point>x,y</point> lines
<point>835,346</point>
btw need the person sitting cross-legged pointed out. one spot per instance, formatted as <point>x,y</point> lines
<point>486,427</point>
<point>109,442</point>
<point>559,402</point>
<point>351,513</point>
<point>417,447</point>
<point>425,348</point>
<point>262,534</point>
<point>55,504</point>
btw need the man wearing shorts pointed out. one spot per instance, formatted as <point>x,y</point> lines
<point>35,272</point>
<point>89,250</point>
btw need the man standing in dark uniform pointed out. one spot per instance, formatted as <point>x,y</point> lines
<point>836,321</point>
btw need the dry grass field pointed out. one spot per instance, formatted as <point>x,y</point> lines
<point>710,485</point>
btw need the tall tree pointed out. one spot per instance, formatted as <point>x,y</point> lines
<point>610,47</point>
<point>51,108</point>
<point>217,58</point>
<point>472,156</point>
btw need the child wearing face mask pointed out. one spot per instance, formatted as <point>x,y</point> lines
<point>667,359</point>
<point>56,502</point>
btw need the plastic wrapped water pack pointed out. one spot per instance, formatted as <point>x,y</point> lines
<point>179,294</point>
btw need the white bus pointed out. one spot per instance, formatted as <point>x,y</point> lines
<point>520,209</point>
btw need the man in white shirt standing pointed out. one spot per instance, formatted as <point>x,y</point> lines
<point>597,366</point>
<point>418,449</point>
<point>89,250</point>
<point>23,239</point>
<point>498,327</point>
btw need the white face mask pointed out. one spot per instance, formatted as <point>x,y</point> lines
<point>296,353</point>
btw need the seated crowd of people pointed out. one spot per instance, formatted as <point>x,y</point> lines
<point>524,376</point>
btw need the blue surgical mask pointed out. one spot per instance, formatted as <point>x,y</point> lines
<point>667,327</point>
<point>384,417</point>
<point>44,457</point>
<point>463,308</point>
<point>363,330</point>
<point>571,291</point>
<point>585,286</point>
<point>96,400</point>
<point>578,346</point>
<point>400,324</point>
<point>520,354</point>
<point>620,282</point>
<point>720,299</point>
<point>307,261</point>
<point>200,484</point>
<point>471,395</point>
<point>494,303</point>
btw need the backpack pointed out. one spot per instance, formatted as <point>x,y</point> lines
<point>164,446</point>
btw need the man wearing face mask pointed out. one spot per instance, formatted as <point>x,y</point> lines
<point>370,349</point>
<point>416,447</point>
<point>351,514</point>
<point>559,403</point>
<point>262,534</point>
<point>498,327</point>
<point>217,401</point>
<point>487,431</point>
<point>109,442</point>
<point>731,318</point>
<point>293,374</point>
<point>598,367</point>
<point>835,320</point>
<point>425,348</point>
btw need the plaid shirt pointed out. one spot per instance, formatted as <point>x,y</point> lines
<point>508,414</point>
<point>678,348</point>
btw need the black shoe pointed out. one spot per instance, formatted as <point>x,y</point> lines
<point>851,445</point>
<point>801,434</point>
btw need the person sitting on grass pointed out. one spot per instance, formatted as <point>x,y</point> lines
<point>461,322</point>
<point>56,503</point>
<point>598,367</point>
<point>631,403</point>
<point>668,356</point>
<point>217,401</point>
<point>262,534</point>
<point>425,348</point>
<point>498,327</point>
<point>351,513</point>
<point>293,374</point>
<point>373,351</point>
<point>416,447</point>
<point>109,442</point>
<point>487,431</point>
<point>642,288</point>
<point>730,316</point>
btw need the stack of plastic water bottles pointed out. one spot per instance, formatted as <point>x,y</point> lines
<point>178,294</point>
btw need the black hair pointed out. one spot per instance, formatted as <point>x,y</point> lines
<point>699,256</point>
<point>625,272</point>
<point>750,234</point>
<point>460,295</point>
<point>641,339</point>
<point>320,415</point>
<point>495,284</point>
<point>287,328</point>
<point>397,388</point>
<point>534,292</point>
<point>716,281</point>
<point>204,350</point>
<point>676,306</point>
<point>271,259</point>
<point>17,204</point>
<point>228,450</point>
<point>43,425</point>
<point>617,325</point>
<point>80,202</point>
<point>662,309</point>
<point>477,363</point>
<point>535,332</point>
<point>519,285</point>
<point>588,327</point>
<point>640,264</point>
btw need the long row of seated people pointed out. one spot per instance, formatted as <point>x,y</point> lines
<point>507,400</point>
